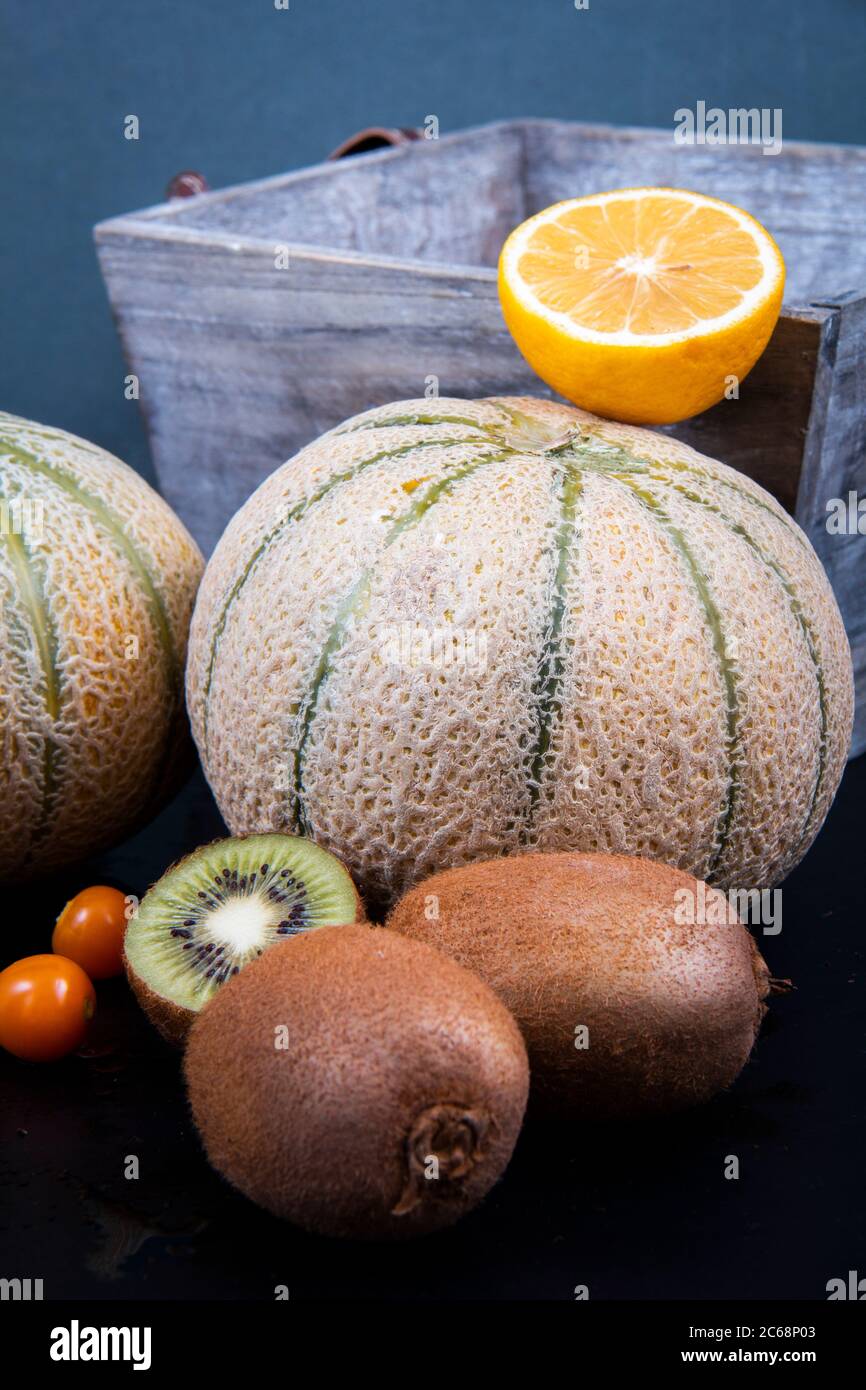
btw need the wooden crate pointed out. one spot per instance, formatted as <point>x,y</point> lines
<point>391,282</point>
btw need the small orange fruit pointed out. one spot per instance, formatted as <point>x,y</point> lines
<point>46,1004</point>
<point>90,931</point>
<point>644,304</point>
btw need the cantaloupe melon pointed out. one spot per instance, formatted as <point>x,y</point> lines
<point>449,630</point>
<point>97,582</point>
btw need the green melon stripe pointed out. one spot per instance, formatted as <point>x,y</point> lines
<point>551,666</point>
<point>513,415</point>
<point>697,474</point>
<point>796,608</point>
<point>104,516</point>
<point>783,519</point>
<point>352,605</point>
<point>637,463</point>
<point>602,457</point>
<point>586,441</point>
<point>404,421</point>
<point>273,535</point>
<point>32,594</point>
<point>726,666</point>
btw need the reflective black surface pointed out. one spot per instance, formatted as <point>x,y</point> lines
<point>632,1212</point>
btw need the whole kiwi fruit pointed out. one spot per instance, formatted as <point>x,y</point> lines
<point>627,1007</point>
<point>358,1084</point>
<point>220,908</point>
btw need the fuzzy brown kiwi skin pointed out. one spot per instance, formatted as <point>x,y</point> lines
<point>395,1054</point>
<point>672,1010</point>
<point>173,1021</point>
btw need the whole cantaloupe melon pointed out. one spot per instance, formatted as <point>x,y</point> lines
<point>97,583</point>
<point>449,630</point>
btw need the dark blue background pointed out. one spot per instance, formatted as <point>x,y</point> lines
<point>240,90</point>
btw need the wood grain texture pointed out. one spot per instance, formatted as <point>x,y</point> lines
<point>834,465</point>
<point>391,282</point>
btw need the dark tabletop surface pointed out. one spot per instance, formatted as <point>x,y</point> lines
<point>639,1212</point>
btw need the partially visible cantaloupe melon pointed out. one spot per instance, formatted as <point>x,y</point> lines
<point>449,630</point>
<point>97,582</point>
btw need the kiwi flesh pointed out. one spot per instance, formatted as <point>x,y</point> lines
<point>358,1084</point>
<point>626,1008</point>
<point>220,908</point>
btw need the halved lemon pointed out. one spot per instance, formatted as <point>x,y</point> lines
<point>646,304</point>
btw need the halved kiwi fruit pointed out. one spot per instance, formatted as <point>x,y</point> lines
<point>221,907</point>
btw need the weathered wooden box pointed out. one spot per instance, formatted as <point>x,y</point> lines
<point>258,316</point>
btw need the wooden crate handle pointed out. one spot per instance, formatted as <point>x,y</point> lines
<point>189,183</point>
<point>376,137</point>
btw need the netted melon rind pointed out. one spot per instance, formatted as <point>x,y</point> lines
<point>665,669</point>
<point>97,583</point>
